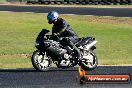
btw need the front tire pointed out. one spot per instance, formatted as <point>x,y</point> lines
<point>89,63</point>
<point>41,61</point>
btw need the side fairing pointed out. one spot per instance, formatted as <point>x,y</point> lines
<point>54,47</point>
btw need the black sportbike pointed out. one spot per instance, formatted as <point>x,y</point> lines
<point>51,51</point>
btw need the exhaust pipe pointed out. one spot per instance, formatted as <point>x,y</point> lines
<point>90,45</point>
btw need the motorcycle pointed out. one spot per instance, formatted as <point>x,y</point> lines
<point>51,51</point>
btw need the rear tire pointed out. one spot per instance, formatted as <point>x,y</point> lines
<point>52,3</point>
<point>83,3</point>
<point>89,65</point>
<point>65,3</point>
<point>46,3</point>
<point>71,3</point>
<point>58,3</point>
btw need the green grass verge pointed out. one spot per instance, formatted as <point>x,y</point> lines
<point>3,1</point>
<point>14,62</point>
<point>18,32</point>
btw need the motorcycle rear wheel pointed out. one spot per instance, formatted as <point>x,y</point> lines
<point>41,61</point>
<point>89,65</point>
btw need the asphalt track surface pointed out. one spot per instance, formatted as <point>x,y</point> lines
<point>118,12</point>
<point>58,78</point>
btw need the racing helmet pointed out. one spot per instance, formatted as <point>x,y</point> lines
<point>52,16</point>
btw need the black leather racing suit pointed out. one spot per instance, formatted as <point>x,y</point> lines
<point>69,37</point>
<point>63,29</point>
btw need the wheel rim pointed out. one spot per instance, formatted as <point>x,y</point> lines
<point>90,61</point>
<point>42,61</point>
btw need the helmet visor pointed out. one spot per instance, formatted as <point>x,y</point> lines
<point>50,18</point>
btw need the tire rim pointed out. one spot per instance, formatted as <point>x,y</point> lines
<point>42,61</point>
<point>90,61</point>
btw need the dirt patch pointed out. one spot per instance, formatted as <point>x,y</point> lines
<point>112,20</point>
<point>15,55</point>
<point>101,19</point>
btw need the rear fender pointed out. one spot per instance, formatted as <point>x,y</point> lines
<point>85,40</point>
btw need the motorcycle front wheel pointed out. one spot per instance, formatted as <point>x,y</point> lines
<point>41,61</point>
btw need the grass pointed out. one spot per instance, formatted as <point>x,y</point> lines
<point>3,1</point>
<point>18,32</point>
<point>14,61</point>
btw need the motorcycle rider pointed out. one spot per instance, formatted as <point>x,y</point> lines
<point>62,29</point>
